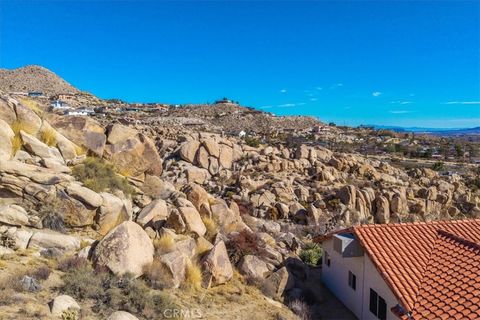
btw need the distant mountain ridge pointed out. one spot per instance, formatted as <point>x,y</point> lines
<point>34,78</point>
<point>434,131</point>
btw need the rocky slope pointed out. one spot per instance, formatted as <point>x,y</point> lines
<point>34,79</point>
<point>172,209</point>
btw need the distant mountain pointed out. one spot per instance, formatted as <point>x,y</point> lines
<point>434,131</point>
<point>34,79</point>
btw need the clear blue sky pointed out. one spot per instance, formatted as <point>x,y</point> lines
<point>408,63</point>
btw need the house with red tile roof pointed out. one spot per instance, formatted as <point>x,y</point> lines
<point>426,270</point>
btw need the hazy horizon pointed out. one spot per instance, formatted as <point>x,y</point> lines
<point>407,64</point>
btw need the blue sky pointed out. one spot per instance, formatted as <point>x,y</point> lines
<point>407,63</point>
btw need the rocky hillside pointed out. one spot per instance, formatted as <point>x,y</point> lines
<point>34,79</point>
<point>101,217</point>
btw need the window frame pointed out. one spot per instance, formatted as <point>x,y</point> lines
<point>377,305</point>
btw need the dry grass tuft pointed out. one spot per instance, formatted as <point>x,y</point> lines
<point>202,246</point>
<point>49,137</point>
<point>193,275</point>
<point>164,244</point>
<point>212,227</point>
<point>32,105</point>
<point>18,126</point>
<point>80,150</point>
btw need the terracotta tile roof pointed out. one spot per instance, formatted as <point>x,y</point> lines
<point>451,283</point>
<point>401,253</point>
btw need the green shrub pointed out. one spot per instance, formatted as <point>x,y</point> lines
<point>438,166</point>
<point>110,292</point>
<point>98,175</point>
<point>311,254</point>
<point>252,142</point>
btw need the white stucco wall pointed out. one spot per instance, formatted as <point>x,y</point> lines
<point>335,278</point>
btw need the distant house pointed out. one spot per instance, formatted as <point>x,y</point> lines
<point>35,94</point>
<point>224,100</point>
<point>80,112</point>
<point>59,105</point>
<point>427,270</point>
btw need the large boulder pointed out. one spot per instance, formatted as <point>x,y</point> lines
<point>82,131</point>
<point>155,187</point>
<point>125,249</point>
<point>119,133</point>
<point>62,303</point>
<point>382,213</point>
<point>13,215</point>
<point>7,112</point>
<point>6,136</point>
<point>34,173</point>
<point>53,240</point>
<point>188,150</point>
<point>216,266</point>
<point>253,267</point>
<point>174,264</point>
<point>278,283</point>
<point>122,315</point>
<point>85,195</point>
<point>197,175</point>
<point>38,148</point>
<point>26,116</point>
<point>212,147</point>
<point>193,221</point>
<point>226,156</point>
<point>113,211</point>
<point>134,156</point>
<point>75,213</point>
<point>155,211</point>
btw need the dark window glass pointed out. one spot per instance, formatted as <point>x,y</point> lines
<point>327,259</point>
<point>352,280</point>
<point>382,309</point>
<point>373,301</point>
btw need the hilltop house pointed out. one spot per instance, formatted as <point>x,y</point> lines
<point>428,270</point>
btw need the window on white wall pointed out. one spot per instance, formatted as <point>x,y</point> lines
<point>326,259</point>
<point>378,306</point>
<point>352,280</point>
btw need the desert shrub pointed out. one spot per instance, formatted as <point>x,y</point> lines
<point>157,274</point>
<point>301,309</point>
<point>54,221</point>
<point>193,275</point>
<point>98,175</point>
<point>73,262</point>
<point>438,166</point>
<point>42,273</point>
<point>165,243</point>
<point>84,283</point>
<point>70,314</point>
<point>244,243</point>
<point>49,137</point>
<point>252,142</point>
<point>127,293</point>
<point>311,254</point>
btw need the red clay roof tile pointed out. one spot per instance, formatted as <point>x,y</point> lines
<point>433,268</point>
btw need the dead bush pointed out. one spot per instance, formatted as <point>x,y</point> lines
<point>244,243</point>
<point>73,262</point>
